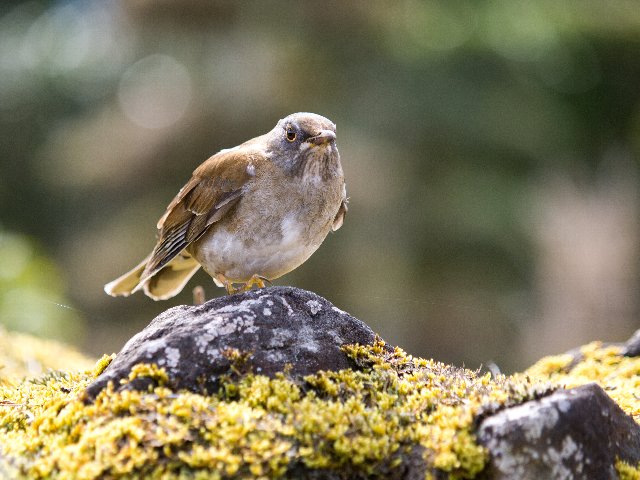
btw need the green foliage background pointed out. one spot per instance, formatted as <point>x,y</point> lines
<point>490,150</point>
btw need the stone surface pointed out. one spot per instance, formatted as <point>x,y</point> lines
<point>631,348</point>
<point>571,434</point>
<point>276,328</point>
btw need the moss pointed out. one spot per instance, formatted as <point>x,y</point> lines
<point>364,421</point>
<point>368,422</point>
<point>626,471</point>
<point>618,375</point>
<point>22,355</point>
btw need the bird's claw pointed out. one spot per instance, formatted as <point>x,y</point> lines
<point>256,280</point>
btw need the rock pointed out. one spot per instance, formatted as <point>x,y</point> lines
<point>262,331</point>
<point>631,348</point>
<point>570,434</point>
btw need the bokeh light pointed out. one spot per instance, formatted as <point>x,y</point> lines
<point>155,91</point>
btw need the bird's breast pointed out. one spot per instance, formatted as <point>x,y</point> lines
<point>277,224</point>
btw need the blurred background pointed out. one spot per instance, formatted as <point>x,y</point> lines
<point>490,149</point>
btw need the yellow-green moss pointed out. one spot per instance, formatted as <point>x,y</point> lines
<point>618,375</point>
<point>366,421</point>
<point>22,355</point>
<point>626,471</point>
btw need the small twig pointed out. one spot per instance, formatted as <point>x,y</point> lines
<point>198,295</point>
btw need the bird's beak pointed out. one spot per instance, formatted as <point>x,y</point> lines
<point>325,136</point>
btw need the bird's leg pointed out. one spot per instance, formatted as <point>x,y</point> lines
<point>228,285</point>
<point>255,280</point>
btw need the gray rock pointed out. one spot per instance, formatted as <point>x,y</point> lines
<point>571,434</point>
<point>276,328</point>
<point>631,348</point>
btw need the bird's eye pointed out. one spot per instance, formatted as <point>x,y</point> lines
<point>291,134</point>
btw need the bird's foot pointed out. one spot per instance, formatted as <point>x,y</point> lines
<point>255,280</point>
<point>228,285</point>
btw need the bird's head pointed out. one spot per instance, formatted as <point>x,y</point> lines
<point>305,143</point>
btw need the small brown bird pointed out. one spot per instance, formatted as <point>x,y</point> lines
<point>249,213</point>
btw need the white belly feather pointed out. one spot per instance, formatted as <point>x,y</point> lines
<point>221,251</point>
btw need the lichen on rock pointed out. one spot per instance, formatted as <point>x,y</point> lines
<point>275,329</point>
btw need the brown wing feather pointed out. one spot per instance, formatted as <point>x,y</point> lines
<point>213,189</point>
<point>342,211</point>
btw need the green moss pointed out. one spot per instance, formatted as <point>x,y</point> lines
<point>626,471</point>
<point>357,422</point>
<point>367,421</point>
<point>618,375</point>
<point>22,355</point>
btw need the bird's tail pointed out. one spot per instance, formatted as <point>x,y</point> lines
<point>165,283</point>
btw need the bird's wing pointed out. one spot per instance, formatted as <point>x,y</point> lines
<point>342,211</point>
<point>213,189</point>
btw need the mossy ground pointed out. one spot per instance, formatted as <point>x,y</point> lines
<point>627,472</point>
<point>25,355</point>
<point>365,422</point>
<point>618,375</point>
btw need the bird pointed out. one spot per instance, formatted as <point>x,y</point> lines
<point>248,214</point>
